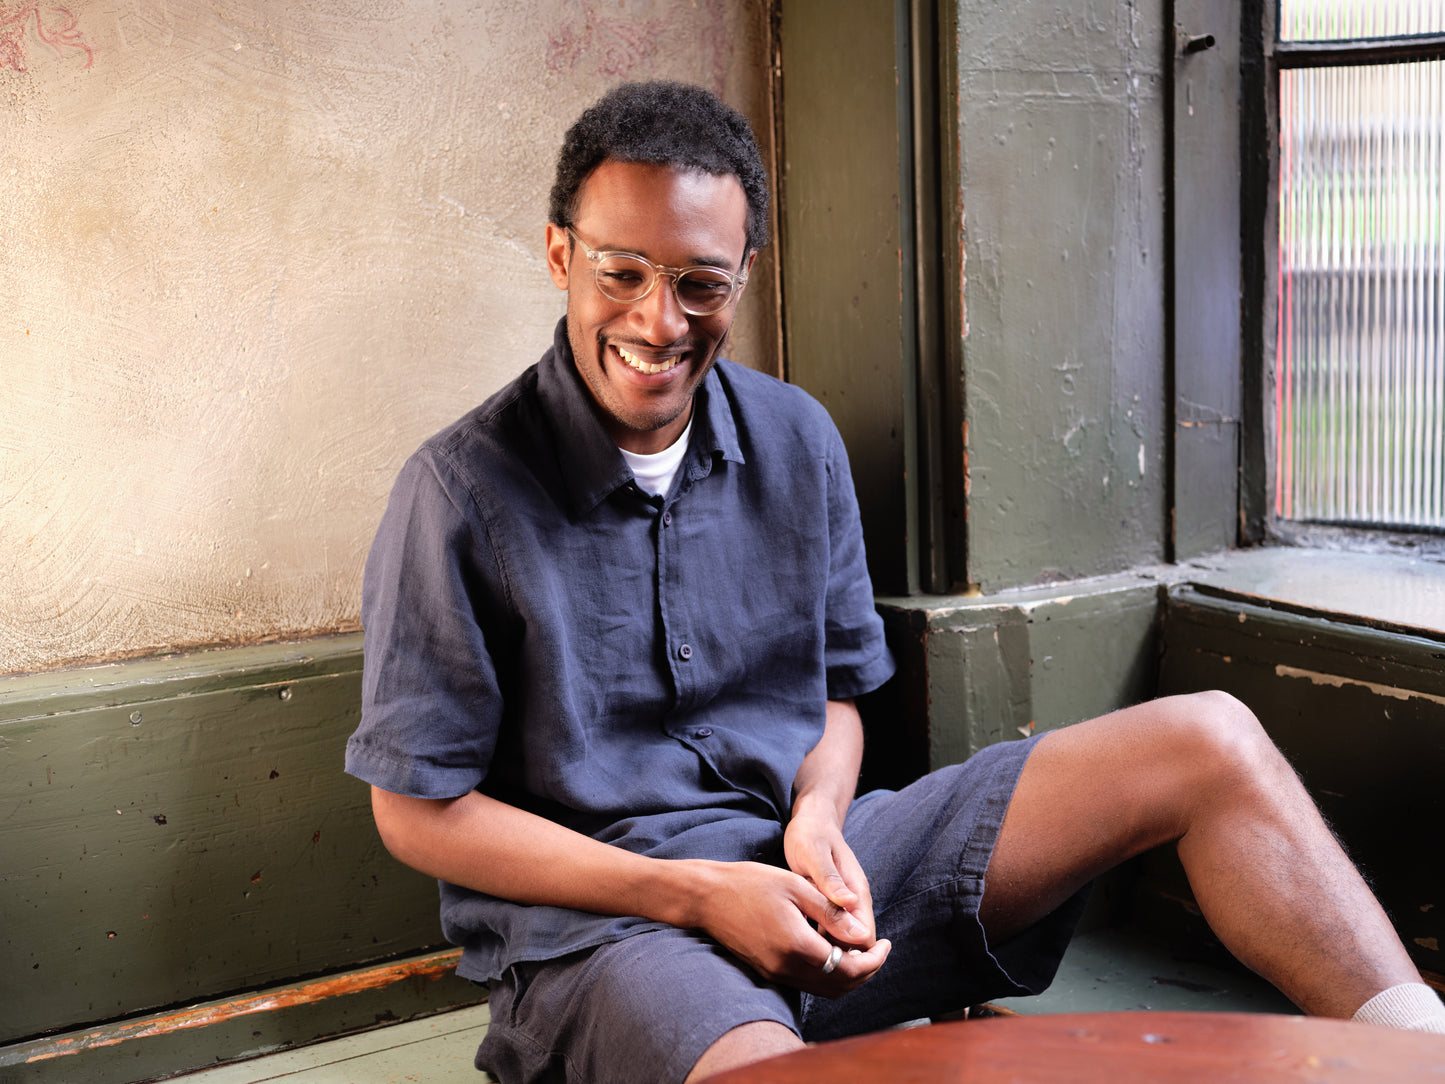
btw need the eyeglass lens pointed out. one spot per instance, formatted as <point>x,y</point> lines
<point>700,290</point>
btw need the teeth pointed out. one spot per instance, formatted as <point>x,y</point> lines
<point>644,366</point>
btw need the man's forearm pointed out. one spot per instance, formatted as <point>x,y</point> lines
<point>829,773</point>
<point>813,842</point>
<point>490,846</point>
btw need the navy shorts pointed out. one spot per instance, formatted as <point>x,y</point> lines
<point>646,1008</point>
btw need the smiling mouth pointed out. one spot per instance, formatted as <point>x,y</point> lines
<point>642,365</point>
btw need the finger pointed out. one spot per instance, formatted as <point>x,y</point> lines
<point>840,877</point>
<point>859,960</point>
<point>840,923</point>
<point>832,884</point>
<point>851,871</point>
<point>830,866</point>
<point>863,964</point>
<point>854,968</point>
<point>820,867</point>
<point>857,883</point>
<point>855,900</point>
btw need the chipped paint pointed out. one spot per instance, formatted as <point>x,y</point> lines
<point>1337,682</point>
<point>430,967</point>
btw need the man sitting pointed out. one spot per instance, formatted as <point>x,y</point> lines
<point>616,618</point>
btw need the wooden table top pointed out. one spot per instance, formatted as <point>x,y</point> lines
<point>1115,1047</point>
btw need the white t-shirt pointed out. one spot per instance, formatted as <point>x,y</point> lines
<point>654,473</point>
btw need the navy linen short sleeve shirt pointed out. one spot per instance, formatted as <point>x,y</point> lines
<point>648,671</point>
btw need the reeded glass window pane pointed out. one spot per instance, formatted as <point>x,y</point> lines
<point>1342,20</point>
<point>1360,361</point>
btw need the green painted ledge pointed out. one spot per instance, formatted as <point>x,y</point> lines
<point>180,828</point>
<point>978,669</point>
<point>136,681</point>
<point>974,670</point>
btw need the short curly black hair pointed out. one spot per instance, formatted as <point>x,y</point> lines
<point>662,123</point>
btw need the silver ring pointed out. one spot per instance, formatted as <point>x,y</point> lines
<point>833,958</point>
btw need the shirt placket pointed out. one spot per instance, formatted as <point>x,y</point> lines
<point>681,654</point>
<point>684,657</point>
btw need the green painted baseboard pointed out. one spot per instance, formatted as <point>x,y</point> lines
<point>275,1019</point>
<point>181,829</point>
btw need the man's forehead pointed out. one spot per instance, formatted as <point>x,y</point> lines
<point>627,204</point>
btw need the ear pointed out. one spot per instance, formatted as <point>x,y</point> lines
<point>748,270</point>
<point>558,250</point>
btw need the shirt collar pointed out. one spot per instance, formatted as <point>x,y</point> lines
<point>592,466</point>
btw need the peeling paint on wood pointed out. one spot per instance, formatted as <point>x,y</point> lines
<point>1338,682</point>
<point>429,968</point>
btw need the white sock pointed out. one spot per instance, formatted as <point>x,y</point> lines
<point>1411,1005</point>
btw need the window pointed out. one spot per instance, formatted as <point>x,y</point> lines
<point>1359,377</point>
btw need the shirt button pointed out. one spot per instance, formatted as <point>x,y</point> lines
<point>702,732</point>
<point>684,652</point>
<point>667,519</point>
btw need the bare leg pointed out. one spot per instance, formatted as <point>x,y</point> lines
<point>742,1046</point>
<point>1198,770</point>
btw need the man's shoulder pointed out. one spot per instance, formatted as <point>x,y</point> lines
<point>500,419</point>
<point>485,445</point>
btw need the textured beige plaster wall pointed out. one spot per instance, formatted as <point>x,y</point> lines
<point>253,253</point>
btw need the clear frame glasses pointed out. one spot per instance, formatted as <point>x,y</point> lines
<point>626,277</point>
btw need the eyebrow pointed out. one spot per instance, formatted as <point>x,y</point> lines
<point>720,262</point>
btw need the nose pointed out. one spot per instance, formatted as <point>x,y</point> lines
<point>658,316</point>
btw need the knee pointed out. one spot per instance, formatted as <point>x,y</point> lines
<point>1223,739</point>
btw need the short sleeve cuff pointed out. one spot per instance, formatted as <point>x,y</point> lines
<point>847,682</point>
<point>408,777</point>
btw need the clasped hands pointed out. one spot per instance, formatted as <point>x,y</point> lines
<point>785,922</point>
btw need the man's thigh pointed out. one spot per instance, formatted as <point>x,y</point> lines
<point>1102,791</point>
<point>643,1008</point>
<point>926,850</point>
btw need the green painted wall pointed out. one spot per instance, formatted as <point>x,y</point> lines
<point>847,313</point>
<point>178,829</point>
<point>1006,399</point>
<point>1061,130</point>
<point>973,209</point>
<point>1206,334</point>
